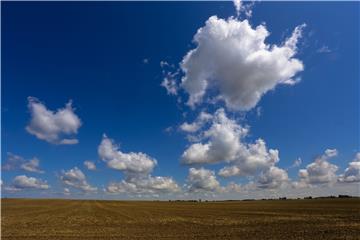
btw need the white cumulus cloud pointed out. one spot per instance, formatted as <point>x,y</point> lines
<point>24,182</point>
<point>273,177</point>
<point>137,168</point>
<point>224,141</point>
<point>321,171</point>
<point>202,180</point>
<point>233,60</point>
<point>147,185</point>
<point>53,126</point>
<point>352,172</point>
<point>76,178</point>
<point>129,162</point>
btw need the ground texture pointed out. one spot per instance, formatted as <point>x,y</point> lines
<point>82,219</point>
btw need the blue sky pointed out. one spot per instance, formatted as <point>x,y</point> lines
<point>105,58</point>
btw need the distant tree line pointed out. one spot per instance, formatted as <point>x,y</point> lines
<point>264,199</point>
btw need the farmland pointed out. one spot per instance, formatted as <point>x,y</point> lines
<point>91,219</point>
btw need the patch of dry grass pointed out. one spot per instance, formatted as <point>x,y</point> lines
<point>86,219</point>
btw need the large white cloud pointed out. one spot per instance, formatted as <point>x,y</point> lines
<point>352,172</point>
<point>137,168</point>
<point>202,180</point>
<point>52,126</point>
<point>321,171</point>
<point>233,60</point>
<point>76,178</point>
<point>252,158</point>
<point>273,177</point>
<point>22,182</point>
<point>147,185</point>
<point>129,162</point>
<point>18,162</point>
<point>224,141</point>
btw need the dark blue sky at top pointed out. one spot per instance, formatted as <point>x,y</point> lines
<point>93,54</point>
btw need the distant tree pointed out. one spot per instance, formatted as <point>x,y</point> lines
<point>344,196</point>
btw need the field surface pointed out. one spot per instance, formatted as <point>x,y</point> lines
<point>83,219</point>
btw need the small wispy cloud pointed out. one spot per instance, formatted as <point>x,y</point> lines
<point>297,162</point>
<point>324,49</point>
